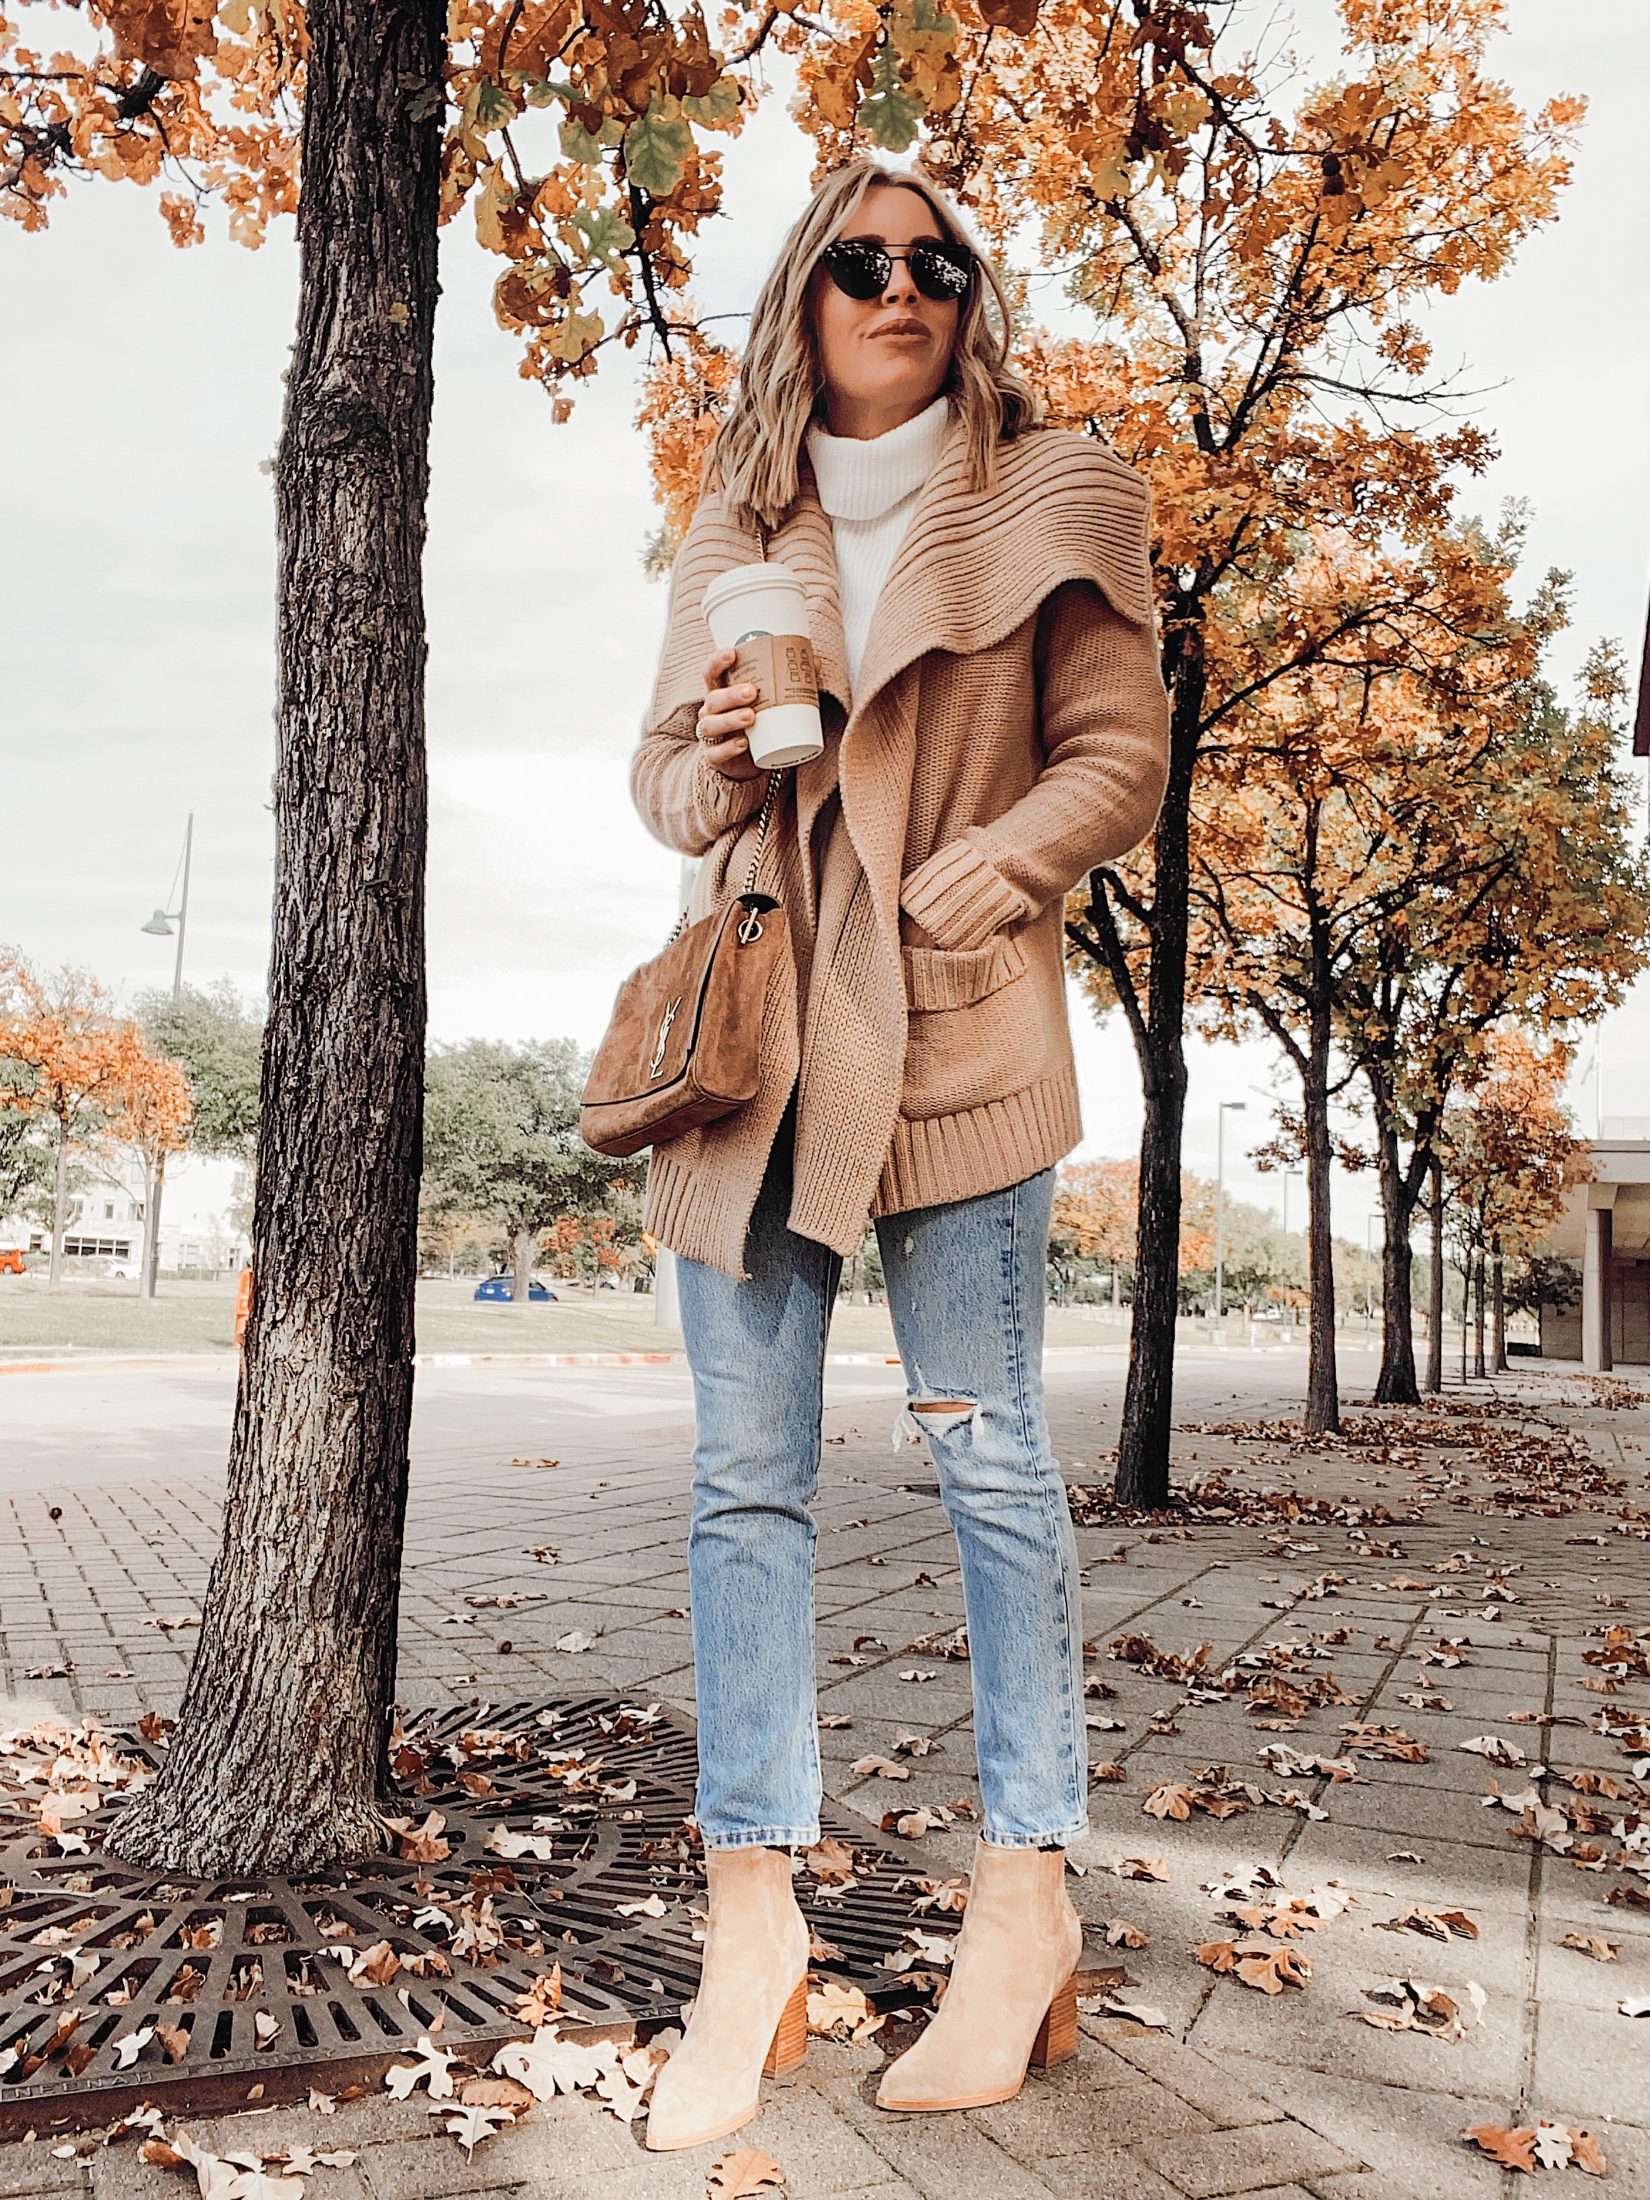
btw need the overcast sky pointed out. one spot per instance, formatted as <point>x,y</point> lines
<point>140,391</point>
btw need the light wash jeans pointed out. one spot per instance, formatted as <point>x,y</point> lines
<point>966,1287</point>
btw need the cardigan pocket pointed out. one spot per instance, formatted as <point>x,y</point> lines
<point>968,1035</point>
<point>953,977</point>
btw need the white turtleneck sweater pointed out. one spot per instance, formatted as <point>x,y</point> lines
<point>869,486</point>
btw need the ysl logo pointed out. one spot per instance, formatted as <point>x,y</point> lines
<point>658,1061</point>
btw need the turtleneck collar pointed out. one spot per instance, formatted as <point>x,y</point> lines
<point>861,477</point>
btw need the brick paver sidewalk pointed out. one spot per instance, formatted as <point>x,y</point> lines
<point>1453,1591</point>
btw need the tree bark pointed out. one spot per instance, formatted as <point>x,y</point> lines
<point>1435,1283</point>
<point>1323,1397</point>
<point>277,1762</point>
<point>1395,1385</point>
<point>60,1208</point>
<point>522,1245</point>
<point>1479,1369</point>
<point>1148,1397</point>
<point>1498,1332</point>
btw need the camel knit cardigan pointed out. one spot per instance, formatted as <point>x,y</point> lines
<point>1008,731</point>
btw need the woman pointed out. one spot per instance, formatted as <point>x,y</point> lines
<point>980,608</point>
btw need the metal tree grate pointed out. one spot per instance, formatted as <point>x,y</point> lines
<point>244,1987</point>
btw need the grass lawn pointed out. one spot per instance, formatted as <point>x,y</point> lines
<point>92,1315</point>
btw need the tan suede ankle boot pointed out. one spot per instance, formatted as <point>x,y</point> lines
<point>750,2015</point>
<point>1012,1999</point>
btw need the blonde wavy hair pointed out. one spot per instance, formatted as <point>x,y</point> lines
<point>754,457</point>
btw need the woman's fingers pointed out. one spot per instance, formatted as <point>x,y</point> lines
<point>725,718</point>
<point>732,757</point>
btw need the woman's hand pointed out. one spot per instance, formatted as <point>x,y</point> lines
<point>725,718</point>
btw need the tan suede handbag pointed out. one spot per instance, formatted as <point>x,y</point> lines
<point>683,1045</point>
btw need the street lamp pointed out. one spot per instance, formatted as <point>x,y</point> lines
<point>159,926</point>
<point>1237,1107</point>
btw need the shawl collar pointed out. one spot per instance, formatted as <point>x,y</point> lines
<point>972,565</point>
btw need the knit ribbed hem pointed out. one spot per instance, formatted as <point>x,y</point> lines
<point>722,801</point>
<point>938,1158</point>
<point>960,897</point>
<point>688,1210</point>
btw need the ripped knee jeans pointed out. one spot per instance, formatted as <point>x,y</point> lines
<point>966,1289</point>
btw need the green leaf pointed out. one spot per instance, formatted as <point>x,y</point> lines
<point>927,16</point>
<point>888,112</point>
<point>715,108</point>
<point>578,144</point>
<point>429,99</point>
<point>493,105</point>
<point>605,235</point>
<point>656,153</point>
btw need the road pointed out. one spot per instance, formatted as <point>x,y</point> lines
<point>93,1421</point>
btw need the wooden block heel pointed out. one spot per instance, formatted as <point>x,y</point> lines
<point>790,2038</point>
<point>1056,2040</point>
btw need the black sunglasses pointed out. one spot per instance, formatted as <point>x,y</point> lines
<point>862,269</point>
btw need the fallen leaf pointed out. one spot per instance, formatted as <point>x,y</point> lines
<point>1437,1924</point>
<point>1120,1933</point>
<point>832,2005</point>
<point>432,2068</point>
<point>1174,1799</point>
<point>375,1966</point>
<point>742,2174</point>
<point>1260,1963</point>
<point>1594,1945</point>
<point>1137,2012</point>
<point>505,2093</point>
<point>469,2126</point>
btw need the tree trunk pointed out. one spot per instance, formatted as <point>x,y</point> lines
<point>278,1760</point>
<point>60,1209</point>
<point>1498,1334</point>
<point>156,1176</point>
<point>1480,1371</point>
<point>523,1245</point>
<point>1465,1266</point>
<point>1435,1284</point>
<point>1323,1395</point>
<point>1148,1397</point>
<point>1395,1385</point>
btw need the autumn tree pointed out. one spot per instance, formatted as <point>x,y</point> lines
<point>1538,912</point>
<point>576,135</point>
<point>1255,258</point>
<point>27,1172</point>
<point>152,1116</point>
<point>71,1065</point>
<point>1511,1156</point>
<point>1338,801</point>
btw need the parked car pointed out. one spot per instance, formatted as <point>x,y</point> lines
<point>504,1287</point>
<point>11,1260</point>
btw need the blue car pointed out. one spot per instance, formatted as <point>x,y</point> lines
<point>504,1287</point>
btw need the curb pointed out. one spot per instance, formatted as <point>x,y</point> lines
<point>464,1359</point>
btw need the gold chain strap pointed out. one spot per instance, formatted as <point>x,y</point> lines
<point>750,927</point>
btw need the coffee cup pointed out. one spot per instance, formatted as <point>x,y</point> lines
<point>761,612</point>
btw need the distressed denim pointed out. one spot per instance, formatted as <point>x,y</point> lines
<point>966,1288</point>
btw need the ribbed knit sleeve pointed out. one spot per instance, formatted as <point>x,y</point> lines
<point>1104,719</point>
<point>683,801</point>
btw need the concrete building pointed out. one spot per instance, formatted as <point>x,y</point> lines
<point>199,1232</point>
<point>1605,1231</point>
